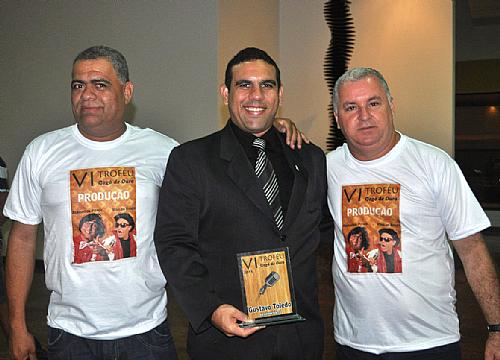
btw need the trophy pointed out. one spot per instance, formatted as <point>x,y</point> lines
<point>267,287</point>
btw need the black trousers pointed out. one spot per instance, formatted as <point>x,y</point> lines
<point>445,352</point>
<point>280,342</point>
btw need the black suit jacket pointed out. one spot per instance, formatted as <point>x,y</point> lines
<point>211,208</point>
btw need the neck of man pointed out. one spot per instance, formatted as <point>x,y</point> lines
<point>104,136</point>
<point>367,155</point>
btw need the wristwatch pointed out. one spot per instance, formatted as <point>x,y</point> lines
<point>494,327</point>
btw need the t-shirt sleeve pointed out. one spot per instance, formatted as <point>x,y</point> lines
<point>24,201</point>
<point>461,213</point>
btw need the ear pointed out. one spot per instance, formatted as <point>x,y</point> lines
<point>336,116</point>
<point>224,93</point>
<point>280,94</point>
<point>128,90</point>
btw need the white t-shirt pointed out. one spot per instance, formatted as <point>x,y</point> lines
<point>63,177</point>
<point>415,192</point>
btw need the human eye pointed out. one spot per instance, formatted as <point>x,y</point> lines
<point>100,85</point>
<point>349,107</point>
<point>268,84</point>
<point>374,103</point>
<point>76,85</point>
<point>243,84</point>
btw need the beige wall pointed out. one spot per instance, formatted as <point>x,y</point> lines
<point>304,39</point>
<point>409,41</point>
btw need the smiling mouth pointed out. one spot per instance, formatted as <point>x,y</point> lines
<point>90,108</point>
<point>256,110</point>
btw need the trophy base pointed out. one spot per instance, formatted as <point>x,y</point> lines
<point>276,320</point>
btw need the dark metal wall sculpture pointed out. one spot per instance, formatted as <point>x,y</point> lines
<point>339,19</point>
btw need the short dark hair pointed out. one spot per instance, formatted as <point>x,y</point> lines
<point>100,228</point>
<point>391,232</point>
<point>250,54</point>
<point>364,236</point>
<point>127,217</point>
<point>115,57</point>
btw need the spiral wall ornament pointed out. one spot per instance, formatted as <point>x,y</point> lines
<point>339,19</point>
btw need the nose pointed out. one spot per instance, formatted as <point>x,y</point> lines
<point>88,93</point>
<point>256,93</point>
<point>363,113</point>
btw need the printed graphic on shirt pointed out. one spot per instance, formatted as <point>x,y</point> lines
<point>371,228</point>
<point>103,213</point>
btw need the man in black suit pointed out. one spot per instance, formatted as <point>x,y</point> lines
<point>213,207</point>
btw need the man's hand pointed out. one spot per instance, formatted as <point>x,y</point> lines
<point>293,135</point>
<point>492,351</point>
<point>225,318</point>
<point>22,345</point>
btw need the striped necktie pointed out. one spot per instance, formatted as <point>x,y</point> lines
<point>267,178</point>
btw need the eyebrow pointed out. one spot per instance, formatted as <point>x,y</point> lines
<point>347,103</point>
<point>272,82</point>
<point>355,103</point>
<point>93,81</point>
<point>241,82</point>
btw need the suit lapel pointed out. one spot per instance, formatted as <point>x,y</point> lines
<point>241,172</point>
<point>299,184</point>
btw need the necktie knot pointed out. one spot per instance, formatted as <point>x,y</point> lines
<point>260,144</point>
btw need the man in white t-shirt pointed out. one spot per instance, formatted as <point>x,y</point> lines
<point>100,306</point>
<point>411,197</point>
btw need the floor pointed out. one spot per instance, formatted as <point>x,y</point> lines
<point>472,328</point>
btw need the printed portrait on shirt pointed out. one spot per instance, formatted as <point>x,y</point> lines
<point>371,228</point>
<point>103,213</point>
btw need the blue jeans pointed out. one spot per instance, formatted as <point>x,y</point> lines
<point>155,344</point>
<point>445,352</point>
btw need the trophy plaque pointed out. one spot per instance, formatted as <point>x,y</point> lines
<point>267,288</point>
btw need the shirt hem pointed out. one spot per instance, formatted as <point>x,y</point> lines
<point>124,333</point>
<point>406,348</point>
